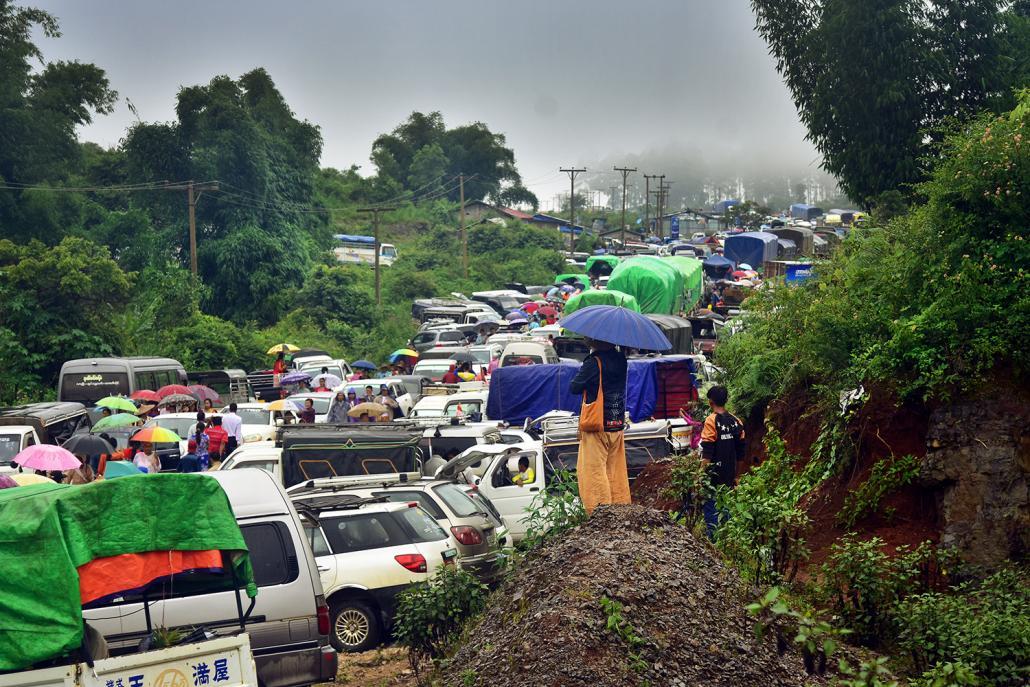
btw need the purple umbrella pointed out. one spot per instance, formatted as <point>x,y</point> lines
<point>6,482</point>
<point>518,321</point>
<point>515,315</point>
<point>295,377</point>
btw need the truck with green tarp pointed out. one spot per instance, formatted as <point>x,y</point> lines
<point>600,297</point>
<point>657,285</point>
<point>601,265</point>
<point>573,278</point>
<point>69,547</point>
<point>693,273</point>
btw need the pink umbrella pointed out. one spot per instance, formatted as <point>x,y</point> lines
<point>170,389</point>
<point>47,457</point>
<point>204,393</point>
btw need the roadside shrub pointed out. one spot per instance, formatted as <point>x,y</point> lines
<point>956,674</point>
<point>762,526</point>
<point>430,616</point>
<point>985,627</point>
<point>887,476</point>
<point>690,485</point>
<point>554,510</point>
<point>864,584</point>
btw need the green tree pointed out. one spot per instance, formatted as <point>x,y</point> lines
<point>870,79</point>
<point>39,111</point>
<point>473,150</point>
<point>428,168</point>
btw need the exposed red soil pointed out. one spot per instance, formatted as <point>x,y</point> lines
<point>882,428</point>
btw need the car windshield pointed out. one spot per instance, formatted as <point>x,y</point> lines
<point>315,370</point>
<point>420,526</point>
<point>183,426</point>
<point>508,302</point>
<point>466,408</point>
<point>10,444</point>
<point>522,360</point>
<point>321,404</point>
<point>482,355</point>
<point>253,416</point>
<point>389,251</point>
<point>457,500</point>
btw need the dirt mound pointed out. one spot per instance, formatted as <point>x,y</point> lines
<point>682,619</point>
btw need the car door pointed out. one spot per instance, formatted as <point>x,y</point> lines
<point>324,558</point>
<point>511,500</point>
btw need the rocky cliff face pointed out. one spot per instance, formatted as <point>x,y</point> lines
<point>978,465</point>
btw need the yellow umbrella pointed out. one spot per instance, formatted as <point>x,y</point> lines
<point>283,404</point>
<point>24,479</point>
<point>283,348</point>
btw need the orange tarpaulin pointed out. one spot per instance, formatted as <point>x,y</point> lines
<point>104,577</point>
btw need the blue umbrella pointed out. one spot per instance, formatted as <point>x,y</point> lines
<point>515,315</point>
<point>364,365</point>
<point>620,326</point>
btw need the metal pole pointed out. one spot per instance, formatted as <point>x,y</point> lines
<point>193,228</point>
<point>625,173</point>
<point>572,172</point>
<point>375,229</point>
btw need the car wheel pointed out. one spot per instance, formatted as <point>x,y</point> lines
<point>355,626</point>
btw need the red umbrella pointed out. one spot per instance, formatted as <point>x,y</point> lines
<point>204,393</point>
<point>547,311</point>
<point>145,395</point>
<point>173,389</point>
<point>530,307</point>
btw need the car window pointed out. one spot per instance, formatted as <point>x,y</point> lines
<point>466,408</point>
<point>457,500</point>
<point>321,405</point>
<point>424,337</point>
<point>423,499</point>
<point>452,336</point>
<point>420,526</point>
<point>271,553</point>
<point>319,546</point>
<point>362,532</point>
<point>266,465</point>
<point>183,426</point>
<point>10,445</point>
<point>253,416</point>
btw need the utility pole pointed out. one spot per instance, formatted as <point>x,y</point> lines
<point>659,223</point>
<point>625,173</point>
<point>647,199</point>
<point>611,197</point>
<point>572,172</point>
<point>375,226</point>
<point>464,231</point>
<point>193,193</point>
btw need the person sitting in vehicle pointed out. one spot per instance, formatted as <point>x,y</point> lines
<point>526,475</point>
<point>321,385</point>
<point>307,415</point>
<point>370,396</point>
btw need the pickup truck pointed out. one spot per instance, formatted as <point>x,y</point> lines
<point>223,662</point>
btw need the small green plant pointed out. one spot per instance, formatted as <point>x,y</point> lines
<point>555,510</point>
<point>986,627</point>
<point>430,616</point>
<point>956,674</point>
<point>468,677</point>
<point>164,637</point>
<point>763,525</point>
<point>864,584</point>
<point>888,475</point>
<point>690,485</point>
<point>815,638</point>
<point>623,630</point>
<point>868,674</point>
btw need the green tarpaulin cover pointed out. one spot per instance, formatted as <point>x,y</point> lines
<point>581,278</point>
<point>48,530</point>
<point>603,297</point>
<point>657,285</point>
<point>693,273</point>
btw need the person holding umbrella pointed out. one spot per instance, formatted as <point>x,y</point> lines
<point>601,467</point>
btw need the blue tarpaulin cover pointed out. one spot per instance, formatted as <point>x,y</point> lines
<point>523,391</point>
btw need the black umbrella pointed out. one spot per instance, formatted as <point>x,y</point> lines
<point>87,445</point>
<point>463,358</point>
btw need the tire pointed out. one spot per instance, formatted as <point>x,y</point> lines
<point>354,627</point>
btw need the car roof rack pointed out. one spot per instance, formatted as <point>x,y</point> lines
<point>331,485</point>
<point>312,507</point>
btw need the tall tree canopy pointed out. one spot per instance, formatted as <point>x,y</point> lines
<point>872,80</point>
<point>39,110</point>
<point>258,233</point>
<point>422,156</point>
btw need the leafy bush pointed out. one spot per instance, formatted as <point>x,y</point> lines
<point>763,523</point>
<point>690,484</point>
<point>928,304</point>
<point>864,585</point>
<point>555,510</point>
<point>887,476</point>
<point>430,615</point>
<point>814,637</point>
<point>956,674</point>
<point>872,673</point>
<point>985,627</point>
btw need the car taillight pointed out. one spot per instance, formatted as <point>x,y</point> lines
<point>415,562</point>
<point>323,619</point>
<point>468,536</point>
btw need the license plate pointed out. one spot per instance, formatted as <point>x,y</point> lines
<point>450,556</point>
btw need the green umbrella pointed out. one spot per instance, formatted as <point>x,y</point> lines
<point>119,420</point>
<point>117,403</point>
<point>120,468</point>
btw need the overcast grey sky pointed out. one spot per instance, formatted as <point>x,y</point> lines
<point>568,81</point>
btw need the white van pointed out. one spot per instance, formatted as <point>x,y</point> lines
<point>529,353</point>
<point>289,623</point>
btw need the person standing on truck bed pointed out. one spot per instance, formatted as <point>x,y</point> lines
<point>601,466</point>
